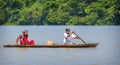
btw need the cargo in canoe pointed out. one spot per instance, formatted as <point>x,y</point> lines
<point>88,45</point>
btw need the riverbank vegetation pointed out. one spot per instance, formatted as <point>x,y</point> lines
<point>59,12</point>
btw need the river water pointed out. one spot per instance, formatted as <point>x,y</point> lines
<point>106,53</point>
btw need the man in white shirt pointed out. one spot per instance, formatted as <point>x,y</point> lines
<point>69,35</point>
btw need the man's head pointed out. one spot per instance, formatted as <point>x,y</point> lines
<point>67,30</point>
<point>25,32</point>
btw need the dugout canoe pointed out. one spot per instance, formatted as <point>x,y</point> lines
<point>88,45</point>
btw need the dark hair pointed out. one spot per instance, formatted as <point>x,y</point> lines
<point>67,29</point>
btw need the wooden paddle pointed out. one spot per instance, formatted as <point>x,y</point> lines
<point>80,38</point>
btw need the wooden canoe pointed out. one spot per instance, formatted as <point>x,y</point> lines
<point>88,45</point>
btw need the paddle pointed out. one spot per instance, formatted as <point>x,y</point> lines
<point>80,38</point>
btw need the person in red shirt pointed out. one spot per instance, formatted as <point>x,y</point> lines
<point>24,39</point>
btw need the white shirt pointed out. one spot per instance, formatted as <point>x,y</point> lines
<point>67,39</point>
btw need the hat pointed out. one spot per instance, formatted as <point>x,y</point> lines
<point>49,42</point>
<point>24,31</point>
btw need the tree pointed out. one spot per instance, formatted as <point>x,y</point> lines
<point>59,12</point>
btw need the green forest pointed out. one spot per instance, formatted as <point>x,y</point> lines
<point>59,12</point>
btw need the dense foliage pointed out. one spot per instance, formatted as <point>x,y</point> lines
<point>59,12</point>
